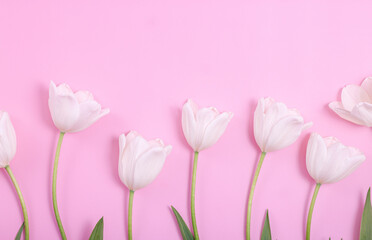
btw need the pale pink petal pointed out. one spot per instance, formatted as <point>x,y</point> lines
<point>63,107</point>
<point>316,155</point>
<point>127,160</point>
<point>272,115</point>
<point>363,111</point>
<point>148,166</point>
<point>339,109</point>
<point>215,129</point>
<point>62,89</point>
<point>89,112</point>
<point>352,95</point>
<point>284,133</point>
<point>84,96</point>
<point>258,123</point>
<point>8,141</point>
<point>367,86</point>
<point>189,124</point>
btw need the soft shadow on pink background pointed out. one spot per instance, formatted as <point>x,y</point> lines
<point>143,59</point>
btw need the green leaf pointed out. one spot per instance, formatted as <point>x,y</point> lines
<point>366,224</point>
<point>185,231</point>
<point>266,232</point>
<point>19,233</point>
<point>97,233</point>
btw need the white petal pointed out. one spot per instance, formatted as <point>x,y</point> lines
<point>148,166</point>
<point>128,157</point>
<point>89,112</point>
<point>284,133</point>
<point>122,142</point>
<point>215,129</point>
<point>352,95</point>
<point>8,141</point>
<point>353,160</point>
<point>367,86</point>
<point>63,107</point>
<point>307,126</point>
<point>189,124</point>
<point>341,161</point>
<point>84,96</point>
<point>258,123</point>
<point>168,149</point>
<point>316,155</point>
<point>272,115</point>
<point>339,109</point>
<point>363,111</point>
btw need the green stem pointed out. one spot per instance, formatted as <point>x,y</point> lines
<point>250,199</point>
<point>24,210</point>
<point>196,234</point>
<point>310,215</point>
<point>130,207</point>
<point>54,187</point>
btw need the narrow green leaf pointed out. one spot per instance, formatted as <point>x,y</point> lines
<point>266,231</point>
<point>366,224</point>
<point>19,233</point>
<point>97,233</point>
<point>185,231</point>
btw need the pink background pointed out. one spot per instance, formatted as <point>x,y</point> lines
<point>143,59</point>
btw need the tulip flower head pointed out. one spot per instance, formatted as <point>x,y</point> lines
<point>203,127</point>
<point>140,161</point>
<point>329,161</point>
<point>8,141</point>
<point>356,103</point>
<point>276,126</point>
<point>73,112</point>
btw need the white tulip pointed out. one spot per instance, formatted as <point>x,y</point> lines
<point>140,161</point>
<point>356,103</point>
<point>73,112</point>
<point>329,161</point>
<point>203,127</point>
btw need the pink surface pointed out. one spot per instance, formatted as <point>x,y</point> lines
<point>143,59</point>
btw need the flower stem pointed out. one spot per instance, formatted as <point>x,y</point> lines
<point>54,187</point>
<point>130,207</point>
<point>196,234</point>
<point>24,210</point>
<point>310,215</point>
<point>250,199</point>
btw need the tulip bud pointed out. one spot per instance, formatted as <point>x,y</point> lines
<point>140,161</point>
<point>73,112</point>
<point>203,127</point>
<point>329,161</point>
<point>276,126</point>
<point>356,103</point>
<point>8,141</point>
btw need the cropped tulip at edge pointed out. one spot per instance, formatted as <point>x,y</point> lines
<point>140,161</point>
<point>203,127</point>
<point>8,147</point>
<point>356,103</point>
<point>329,161</point>
<point>276,126</point>
<point>8,141</point>
<point>73,112</point>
